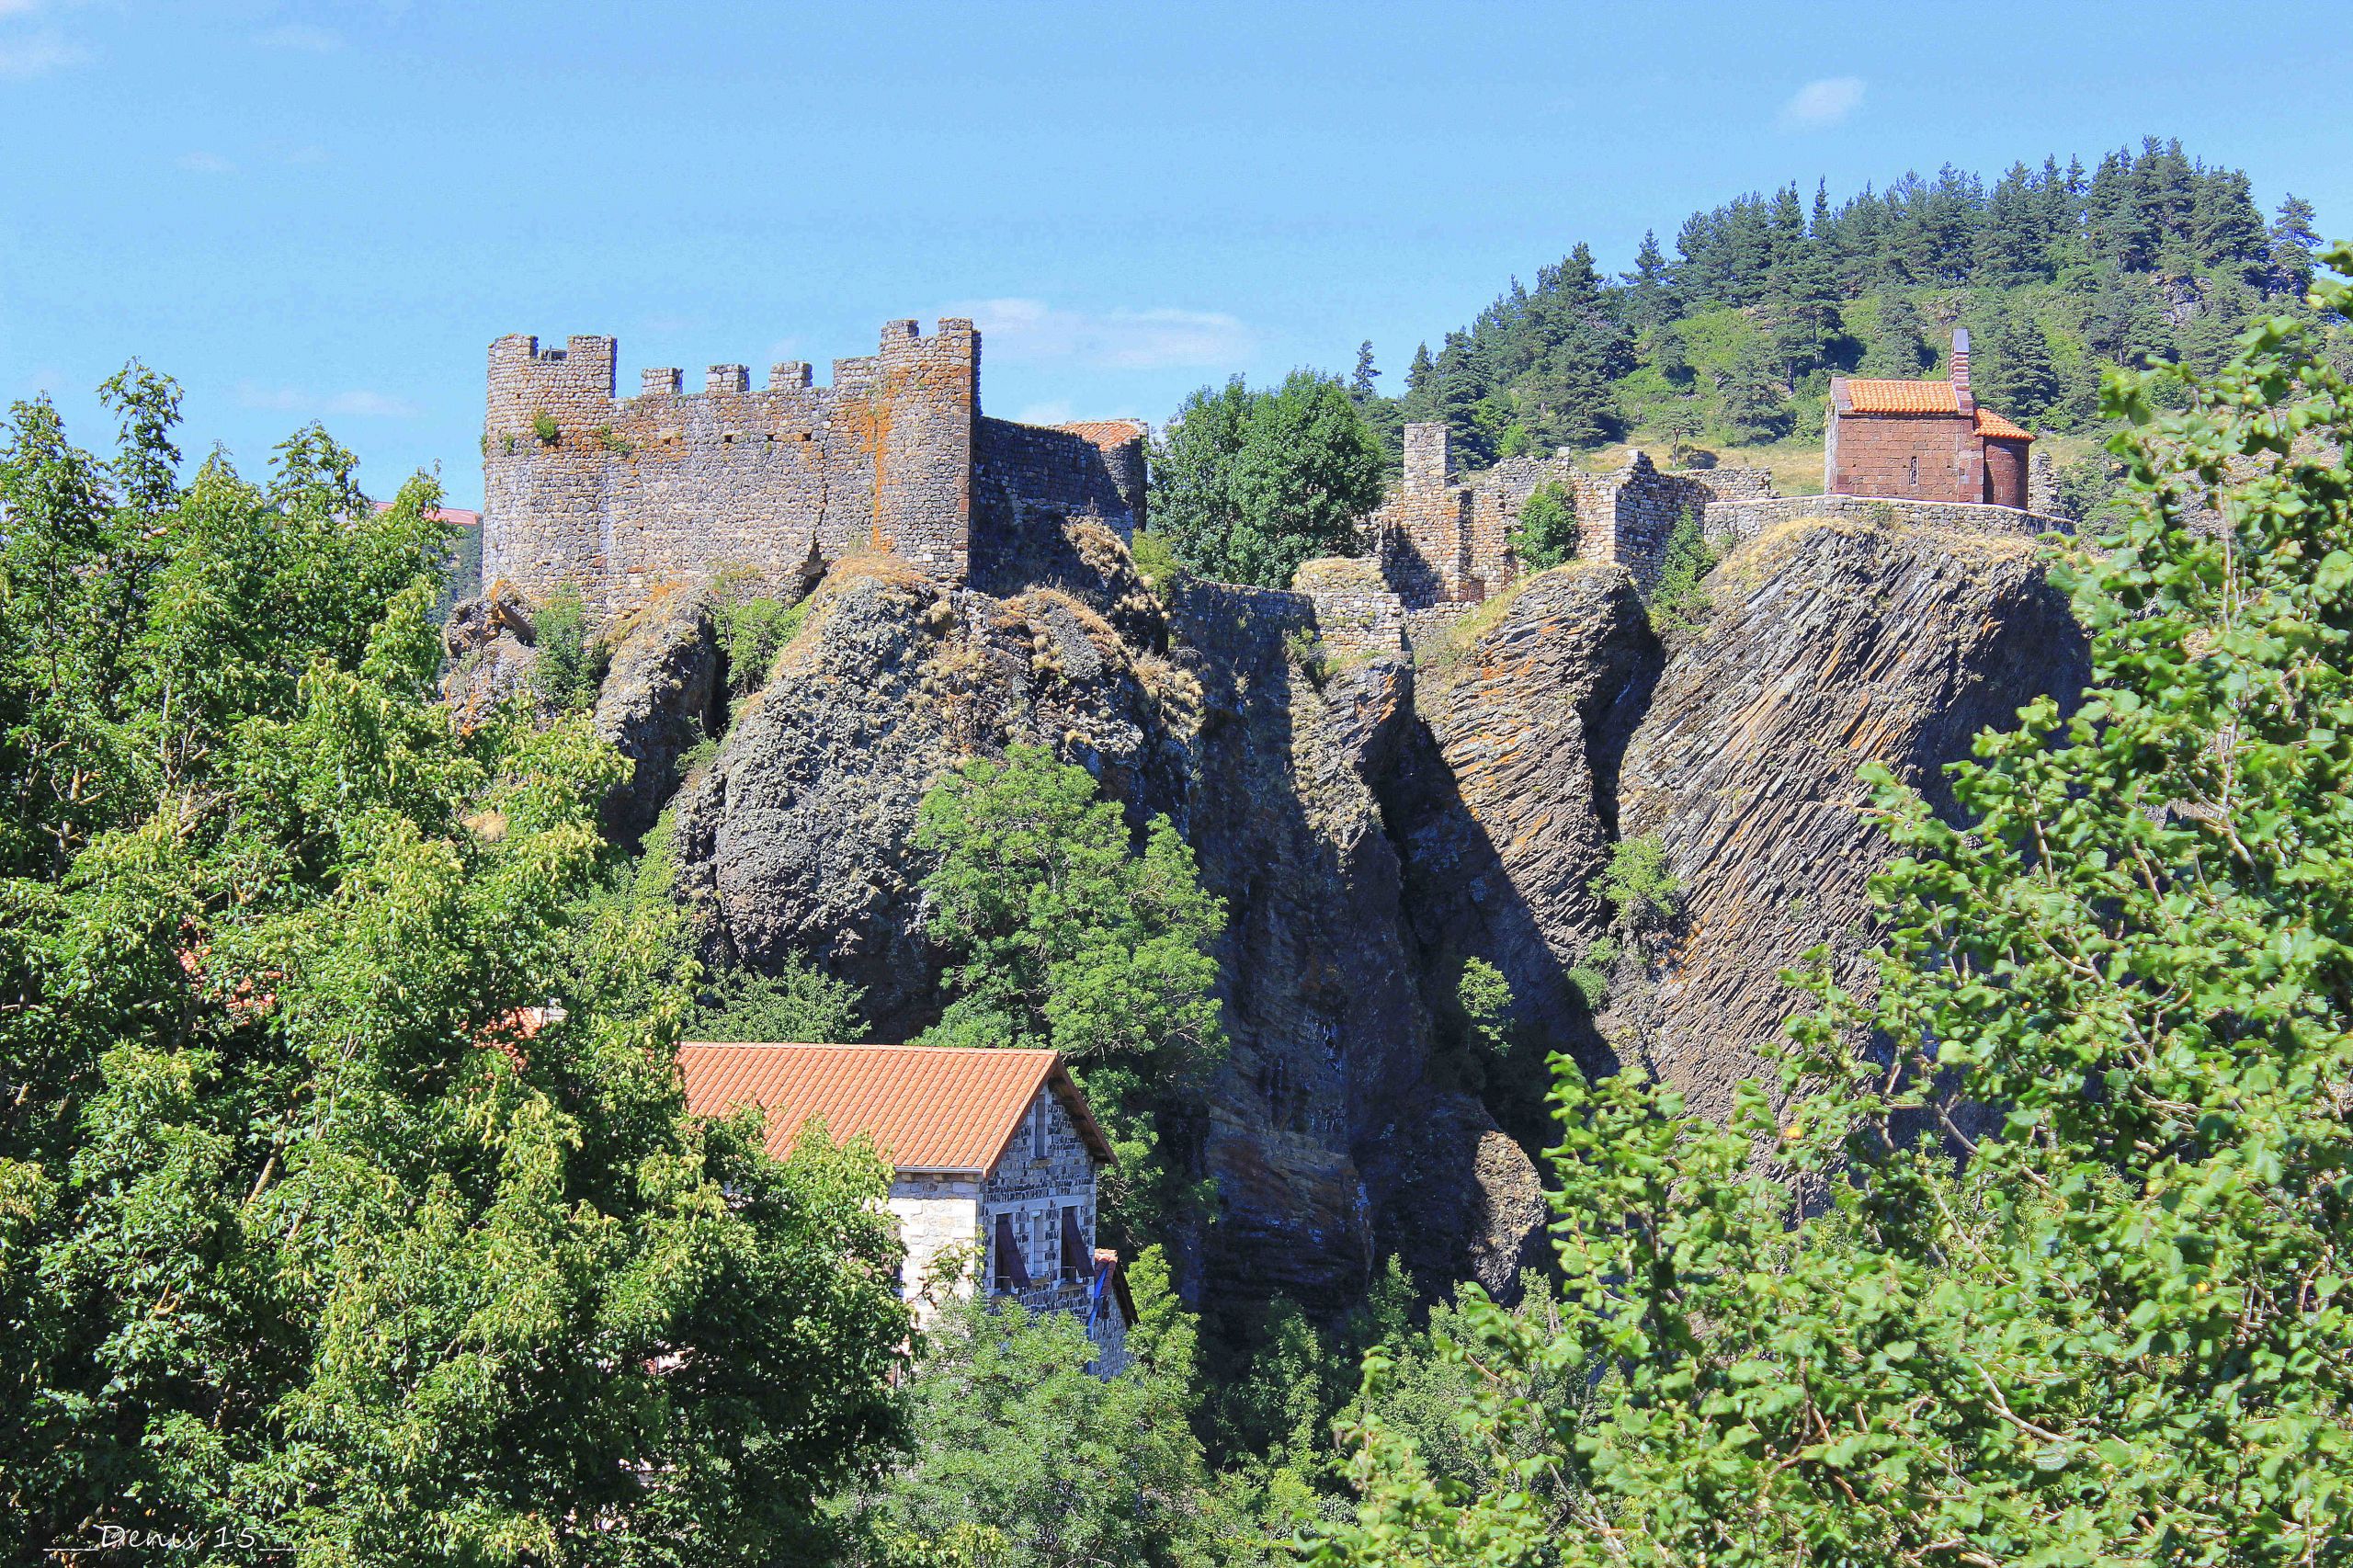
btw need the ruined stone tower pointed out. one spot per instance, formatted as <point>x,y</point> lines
<point>616,496</point>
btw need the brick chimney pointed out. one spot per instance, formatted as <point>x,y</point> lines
<point>1960,392</point>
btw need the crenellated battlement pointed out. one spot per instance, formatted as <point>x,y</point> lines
<point>616,496</point>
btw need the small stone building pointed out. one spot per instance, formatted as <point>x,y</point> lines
<point>1923,441</point>
<point>994,1155</point>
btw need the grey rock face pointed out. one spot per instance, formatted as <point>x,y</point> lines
<point>1504,804</point>
<point>1831,643</point>
<point>489,642</point>
<point>661,697</point>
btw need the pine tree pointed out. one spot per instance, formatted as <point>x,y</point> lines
<point>1756,404</point>
<point>1899,349</point>
<point>1361,387</point>
<point>2292,245</point>
<point>1650,289</point>
<point>2019,379</point>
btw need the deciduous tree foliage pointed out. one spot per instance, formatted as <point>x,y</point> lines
<point>1066,934</point>
<point>306,1232</point>
<point>1247,485</point>
<point>2117,1330</point>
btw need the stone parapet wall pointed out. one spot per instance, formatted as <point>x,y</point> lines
<point>1732,522</point>
<point>1729,482</point>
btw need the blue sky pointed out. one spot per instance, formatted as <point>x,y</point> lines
<point>328,210</point>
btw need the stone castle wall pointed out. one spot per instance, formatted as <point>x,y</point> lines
<point>616,496</point>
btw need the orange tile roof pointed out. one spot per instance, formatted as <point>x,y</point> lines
<point>1901,397</point>
<point>1992,424</point>
<point>927,1108</point>
<point>1106,432</point>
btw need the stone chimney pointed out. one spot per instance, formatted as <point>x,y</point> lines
<point>1960,392</point>
<point>1425,456</point>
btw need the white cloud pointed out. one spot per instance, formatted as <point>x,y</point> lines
<point>298,36</point>
<point>1826,102</point>
<point>1027,330</point>
<point>1055,413</point>
<point>358,404</point>
<point>36,54</point>
<point>205,164</point>
<point>18,7</point>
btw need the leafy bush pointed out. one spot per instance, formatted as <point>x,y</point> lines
<point>1643,894</point>
<point>799,1003</point>
<point>1546,532</point>
<point>751,633</point>
<point>1156,562</point>
<point>544,426</point>
<point>1678,600</point>
<point>1060,933</point>
<point>1590,974</point>
<point>611,440</point>
<point>1482,996</point>
<point>571,664</point>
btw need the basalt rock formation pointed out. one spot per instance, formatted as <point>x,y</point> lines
<point>1828,644</point>
<point>1373,821</point>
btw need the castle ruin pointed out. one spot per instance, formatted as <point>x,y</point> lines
<point>616,496</point>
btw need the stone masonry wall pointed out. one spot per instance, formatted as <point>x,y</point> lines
<point>1033,1192</point>
<point>1730,522</point>
<point>616,496</point>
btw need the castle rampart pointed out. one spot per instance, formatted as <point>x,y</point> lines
<point>616,496</point>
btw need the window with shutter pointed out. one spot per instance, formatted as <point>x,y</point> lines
<point>1076,1253</point>
<point>1010,1273</point>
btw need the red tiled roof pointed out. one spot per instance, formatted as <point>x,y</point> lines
<point>1901,397</point>
<point>1106,432</point>
<point>453,515</point>
<point>1992,424</point>
<point>927,1108</point>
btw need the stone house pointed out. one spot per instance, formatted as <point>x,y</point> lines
<point>994,1158</point>
<point>1923,441</point>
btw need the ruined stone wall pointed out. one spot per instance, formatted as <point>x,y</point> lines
<point>1729,482</point>
<point>1442,543</point>
<point>1357,613</point>
<point>1732,522</point>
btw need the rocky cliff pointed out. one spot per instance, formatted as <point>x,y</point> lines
<point>1372,822</point>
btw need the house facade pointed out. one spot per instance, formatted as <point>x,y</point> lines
<point>995,1156</point>
<point>1923,441</point>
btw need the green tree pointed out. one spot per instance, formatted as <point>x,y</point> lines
<point>316,1221</point>
<point>1022,1458</point>
<point>2021,383</point>
<point>799,1003</point>
<point>1247,485</point>
<point>1064,933</point>
<point>1899,349</point>
<point>1755,403</point>
<point>2114,1330</point>
<point>1546,531</point>
<point>1678,600</point>
<point>569,666</point>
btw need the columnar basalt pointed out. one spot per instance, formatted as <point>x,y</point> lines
<point>618,496</point>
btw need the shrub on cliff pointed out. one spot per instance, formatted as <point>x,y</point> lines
<point>2117,1330</point>
<point>1061,932</point>
<point>1247,485</point>
<point>1546,533</point>
<point>318,1224</point>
